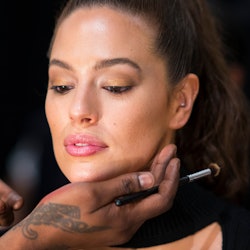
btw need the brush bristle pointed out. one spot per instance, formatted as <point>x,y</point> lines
<point>215,169</point>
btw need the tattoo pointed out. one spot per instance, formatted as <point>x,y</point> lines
<point>64,217</point>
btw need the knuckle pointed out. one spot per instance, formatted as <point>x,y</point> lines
<point>130,184</point>
<point>127,186</point>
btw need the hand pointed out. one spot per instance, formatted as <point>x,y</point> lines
<point>9,201</point>
<point>84,215</point>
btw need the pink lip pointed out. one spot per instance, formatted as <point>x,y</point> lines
<point>83,145</point>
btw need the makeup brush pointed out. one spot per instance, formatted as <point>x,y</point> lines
<point>213,169</point>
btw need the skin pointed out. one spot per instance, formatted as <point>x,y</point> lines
<point>134,125</point>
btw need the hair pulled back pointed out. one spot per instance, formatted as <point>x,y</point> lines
<point>188,40</point>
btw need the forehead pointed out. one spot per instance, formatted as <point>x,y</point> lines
<point>101,19</point>
<point>112,11</point>
<point>100,27</point>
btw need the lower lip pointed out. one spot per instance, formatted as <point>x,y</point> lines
<point>83,151</point>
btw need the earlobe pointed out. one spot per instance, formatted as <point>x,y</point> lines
<point>183,100</point>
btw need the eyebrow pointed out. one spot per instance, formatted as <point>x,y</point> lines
<point>60,64</point>
<point>99,65</point>
<point>116,61</point>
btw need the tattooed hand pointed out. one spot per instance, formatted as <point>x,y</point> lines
<point>9,201</point>
<point>84,215</point>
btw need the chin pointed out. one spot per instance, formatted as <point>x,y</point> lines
<point>84,178</point>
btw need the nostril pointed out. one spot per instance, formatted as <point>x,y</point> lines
<point>86,119</point>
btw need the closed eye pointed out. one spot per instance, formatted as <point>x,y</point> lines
<point>117,89</point>
<point>61,89</point>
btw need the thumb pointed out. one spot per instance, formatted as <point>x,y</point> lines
<point>125,184</point>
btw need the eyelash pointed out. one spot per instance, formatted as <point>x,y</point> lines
<point>118,90</point>
<point>61,89</point>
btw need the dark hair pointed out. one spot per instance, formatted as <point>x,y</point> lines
<point>218,129</point>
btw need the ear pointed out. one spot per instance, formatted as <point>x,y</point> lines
<point>182,101</point>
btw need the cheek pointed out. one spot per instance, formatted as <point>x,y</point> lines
<point>142,132</point>
<point>54,114</point>
<point>149,118</point>
<point>55,122</point>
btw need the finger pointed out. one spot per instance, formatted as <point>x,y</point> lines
<point>161,161</point>
<point>6,214</point>
<point>14,200</point>
<point>10,197</point>
<point>107,191</point>
<point>163,200</point>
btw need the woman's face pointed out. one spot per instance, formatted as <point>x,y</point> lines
<point>107,101</point>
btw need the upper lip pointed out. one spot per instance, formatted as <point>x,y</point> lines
<point>83,140</point>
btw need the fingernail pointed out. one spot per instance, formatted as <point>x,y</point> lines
<point>146,180</point>
<point>15,200</point>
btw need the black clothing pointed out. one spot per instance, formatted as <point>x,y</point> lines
<point>195,208</point>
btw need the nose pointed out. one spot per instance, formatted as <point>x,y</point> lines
<point>84,108</point>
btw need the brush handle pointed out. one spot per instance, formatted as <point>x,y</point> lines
<point>184,180</point>
<point>135,196</point>
<point>142,194</point>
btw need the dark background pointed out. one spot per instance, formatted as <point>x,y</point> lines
<point>26,29</point>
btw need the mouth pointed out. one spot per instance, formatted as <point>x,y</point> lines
<point>83,145</point>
